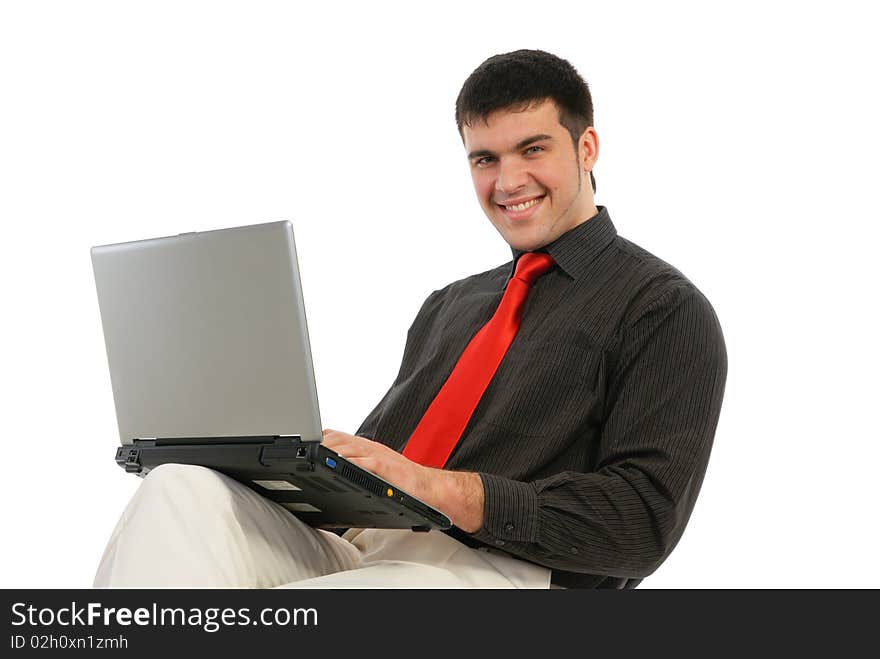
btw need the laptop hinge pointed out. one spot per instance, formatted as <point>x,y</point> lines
<point>249,439</point>
<point>284,449</point>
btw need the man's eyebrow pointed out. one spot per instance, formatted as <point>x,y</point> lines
<point>519,145</point>
<point>482,153</point>
<point>522,144</point>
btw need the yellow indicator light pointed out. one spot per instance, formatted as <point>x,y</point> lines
<point>390,492</point>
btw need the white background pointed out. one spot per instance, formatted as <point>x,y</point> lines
<point>740,144</point>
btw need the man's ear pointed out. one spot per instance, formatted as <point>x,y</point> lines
<point>589,148</point>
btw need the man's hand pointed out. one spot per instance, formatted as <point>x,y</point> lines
<point>457,494</point>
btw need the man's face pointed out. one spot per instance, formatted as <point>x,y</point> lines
<point>530,182</point>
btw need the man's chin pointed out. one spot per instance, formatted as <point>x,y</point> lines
<point>525,237</point>
<point>523,243</point>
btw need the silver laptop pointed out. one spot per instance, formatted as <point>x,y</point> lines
<point>210,364</point>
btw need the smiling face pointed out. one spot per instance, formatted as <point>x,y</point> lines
<point>531,184</point>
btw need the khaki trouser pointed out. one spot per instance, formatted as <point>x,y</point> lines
<point>189,526</point>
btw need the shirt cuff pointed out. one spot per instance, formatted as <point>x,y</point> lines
<point>510,511</point>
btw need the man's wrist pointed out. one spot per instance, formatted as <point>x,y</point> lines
<point>460,495</point>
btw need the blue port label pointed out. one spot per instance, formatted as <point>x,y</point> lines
<point>330,462</point>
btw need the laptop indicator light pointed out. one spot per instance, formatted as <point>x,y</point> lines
<point>330,462</point>
<point>390,492</point>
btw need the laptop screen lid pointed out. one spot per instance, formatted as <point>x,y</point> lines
<point>206,335</point>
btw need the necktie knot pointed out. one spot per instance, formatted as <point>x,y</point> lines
<point>532,265</point>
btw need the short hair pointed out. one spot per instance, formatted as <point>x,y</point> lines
<point>520,79</point>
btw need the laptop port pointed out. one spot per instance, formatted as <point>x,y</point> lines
<point>302,452</point>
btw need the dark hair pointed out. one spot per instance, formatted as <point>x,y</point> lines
<point>516,81</point>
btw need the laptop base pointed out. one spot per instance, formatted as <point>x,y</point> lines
<point>310,481</point>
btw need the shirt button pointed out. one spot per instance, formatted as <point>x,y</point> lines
<point>508,528</point>
<point>500,543</point>
<point>574,550</point>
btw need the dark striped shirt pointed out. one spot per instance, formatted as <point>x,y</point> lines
<point>593,437</point>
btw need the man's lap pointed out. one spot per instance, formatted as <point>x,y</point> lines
<point>191,526</point>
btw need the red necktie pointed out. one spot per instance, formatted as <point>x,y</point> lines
<point>440,428</point>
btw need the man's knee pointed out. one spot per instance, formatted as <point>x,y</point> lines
<point>176,471</point>
<point>186,481</point>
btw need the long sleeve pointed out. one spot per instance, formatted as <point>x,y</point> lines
<point>664,390</point>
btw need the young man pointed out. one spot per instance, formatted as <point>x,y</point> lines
<point>560,408</point>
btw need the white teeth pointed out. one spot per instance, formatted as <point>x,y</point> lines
<point>524,205</point>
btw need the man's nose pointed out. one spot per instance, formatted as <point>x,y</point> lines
<point>511,177</point>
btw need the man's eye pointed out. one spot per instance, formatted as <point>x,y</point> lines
<point>534,149</point>
<point>482,162</point>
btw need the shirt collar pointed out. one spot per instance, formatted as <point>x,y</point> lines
<point>576,249</point>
